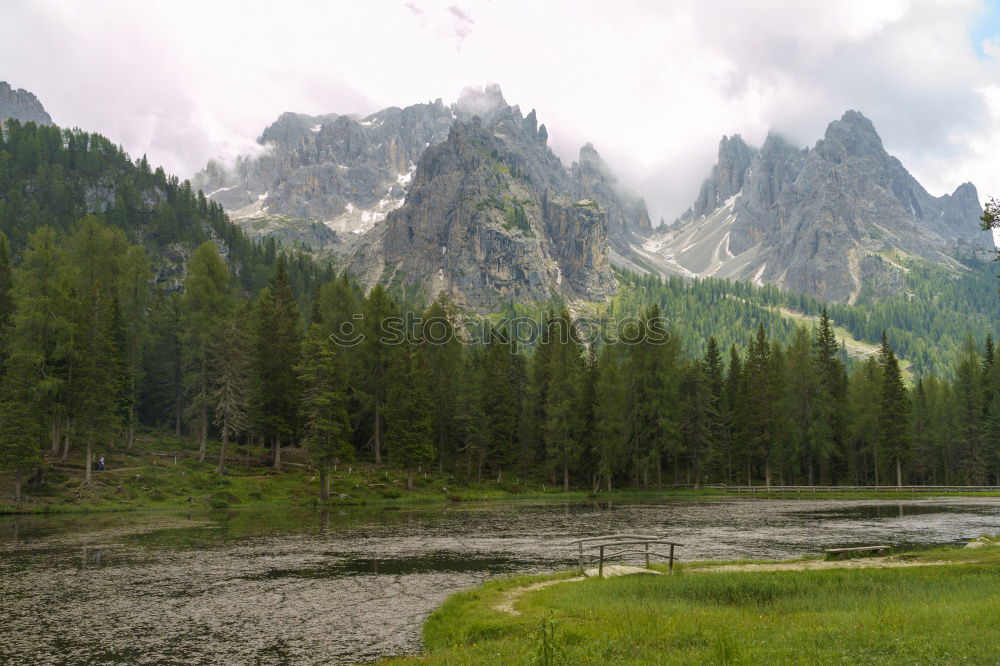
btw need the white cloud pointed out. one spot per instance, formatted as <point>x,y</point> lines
<point>652,85</point>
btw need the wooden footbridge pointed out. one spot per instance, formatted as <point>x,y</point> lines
<point>617,546</point>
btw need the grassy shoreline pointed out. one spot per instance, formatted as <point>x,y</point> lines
<point>162,473</point>
<point>939,605</point>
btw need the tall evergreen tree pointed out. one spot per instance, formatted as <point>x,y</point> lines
<point>443,351</point>
<point>409,429</point>
<point>206,302</point>
<point>278,346</point>
<point>324,405</point>
<point>893,413</point>
<point>377,351</point>
<point>230,357</point>
<point>6,301</point>
<point>562,422</point>
<point>499,399</point>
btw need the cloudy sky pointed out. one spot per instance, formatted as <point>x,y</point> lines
<point>653,85</point>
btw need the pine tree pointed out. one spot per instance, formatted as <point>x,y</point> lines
<point>499,400</point>
<point>229,361</point>
<point>810,436</point>
<point>715,384</point>
<point>19,433</point>
<point>162,389</point>
<point>6,302</point>
<point>831,395</point>
<point>377,351</point>
<point>611,416</point>
<point>409,434</point>
<point>278,345</point>
<point>133,298</point>
<point>96,389</point>
<point>443,351</point>
<point>761,402</point>
<point>893,413</point>
<point>562,422</point>
<point>324,405</point>
<point>694,426</point>
<point>40,338</point>
<point>205,304</point>
<point>732,412</point>
<point>968,386</point>
<point>470,419</point>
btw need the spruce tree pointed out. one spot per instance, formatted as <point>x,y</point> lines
<point>278,346</point>
<point>20,433</point>
<point>230,358</point>
<point>6,301</point>
<point>470,418</point>
<point>377,353</point>
<point>443,351</point>
<point>893,411</point>
<point>499,400</point>
<point>324,404</point>
<point>562,421</point>
<point>96,380</point>
<point>41,335</point>
<point>206,302</point>
<point>611,416</point>
<point>694,426</point>
<point>409,435</point>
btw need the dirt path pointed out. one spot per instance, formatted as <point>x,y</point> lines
<point>511,596</point>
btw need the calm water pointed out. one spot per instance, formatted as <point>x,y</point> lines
<point>279,586</point>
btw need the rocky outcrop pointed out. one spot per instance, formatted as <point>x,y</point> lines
<point>836,222</point>
<point>490,214</point>
<point>345,172</point>
<point>22,106</point>
<point>628,218</point>
<point>487,221</point>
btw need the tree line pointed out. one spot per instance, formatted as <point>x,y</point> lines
<point>90,353</point>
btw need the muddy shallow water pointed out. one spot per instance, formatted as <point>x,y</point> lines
<point>301,586</point>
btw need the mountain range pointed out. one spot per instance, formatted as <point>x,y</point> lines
<point>840,221</point>
<point>468,199</point>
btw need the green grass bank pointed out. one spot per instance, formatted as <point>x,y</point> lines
<point>943,607</point>
<point>162,472</point>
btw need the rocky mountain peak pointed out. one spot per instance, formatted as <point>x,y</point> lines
<point>487,219</point>
<point>839,222</point>
<point>21,105</point>
<point>482,102</point>
<point>852,135</point>
<point>727,177</point>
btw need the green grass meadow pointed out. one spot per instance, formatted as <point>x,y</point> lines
<point>942,614</point>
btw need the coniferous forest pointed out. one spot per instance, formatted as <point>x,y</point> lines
<point>129,302</point>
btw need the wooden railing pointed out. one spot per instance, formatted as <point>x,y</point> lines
<point>626,541</point>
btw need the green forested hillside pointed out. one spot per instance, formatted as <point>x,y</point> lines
<point>927,324</point>
<point>53,177</point>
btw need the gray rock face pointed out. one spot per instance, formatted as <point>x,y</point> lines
<point>345,172</point>
<point>487,220</point>
<point>515,222</point>
<point>834,222</point>
<point>628,218</point>
<point>21,105</point>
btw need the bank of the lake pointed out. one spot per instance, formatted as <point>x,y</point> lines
<point>163,473</point>
<point>925,607</point>
<point>346,584</point>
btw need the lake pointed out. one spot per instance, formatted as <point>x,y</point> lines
<point>304,586</point>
